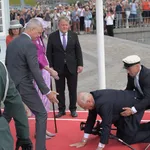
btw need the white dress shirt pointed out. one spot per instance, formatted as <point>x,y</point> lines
<point>140,90</point>
<point>61,36</point>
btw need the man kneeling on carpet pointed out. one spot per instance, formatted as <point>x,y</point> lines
<point>108,105</point>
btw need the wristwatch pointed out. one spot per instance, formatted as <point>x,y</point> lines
<point>84,140</point>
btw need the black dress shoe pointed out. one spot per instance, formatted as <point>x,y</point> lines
<point>60,114</point>
<point>74,114</point>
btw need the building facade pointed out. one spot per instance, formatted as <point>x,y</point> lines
<point>4,26</point>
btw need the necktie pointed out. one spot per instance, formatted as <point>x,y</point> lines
<point>64,41</point>
<point>137,85</point>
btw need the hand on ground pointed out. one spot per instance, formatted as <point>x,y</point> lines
<point>78,145</point>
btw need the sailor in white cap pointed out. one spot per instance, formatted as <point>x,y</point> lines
<point>131,61</point>
<point>139,80</point>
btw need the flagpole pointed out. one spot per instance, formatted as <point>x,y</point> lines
<point>22,3</point>
<point>100,43</point>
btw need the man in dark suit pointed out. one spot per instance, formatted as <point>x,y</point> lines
<point>108,105</point>
<point>139,80</point>
<point>22,64</point>
<point>65,56</point>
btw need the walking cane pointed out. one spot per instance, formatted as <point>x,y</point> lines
<point>54,118</point>
<point>55,124</point>
<point>147,147</point>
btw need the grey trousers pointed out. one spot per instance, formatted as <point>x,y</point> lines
<point>31,98</point>
<point>118,22</point>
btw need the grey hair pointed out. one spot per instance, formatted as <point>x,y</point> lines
<point>63,18</point>
<point>33,23</point>
<point>83,97</point>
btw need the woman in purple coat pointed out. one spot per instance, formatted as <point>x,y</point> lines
<point>46,73</point>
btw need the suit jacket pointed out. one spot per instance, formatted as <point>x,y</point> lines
<point>144,81</point>
<point>22,63</point>
<point>57,56</point>
<point>109,104</point>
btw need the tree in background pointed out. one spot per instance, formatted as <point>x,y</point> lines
<point>26,2</point>
<point>74,1</point>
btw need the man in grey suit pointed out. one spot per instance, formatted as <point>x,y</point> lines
<point>22,64</point>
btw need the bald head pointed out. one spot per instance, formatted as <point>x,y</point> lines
<point>83,97</point>
<point>85,100</point>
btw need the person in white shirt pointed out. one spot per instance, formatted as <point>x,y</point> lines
<point>109,22</point>
<point>56,16</point>
<point>87,19</point>
<point>81,18</point>
<point>66,13</point>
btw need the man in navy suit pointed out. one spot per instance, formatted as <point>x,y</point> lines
<point>138,79</point>
<point>65,56</point>
<point>108,105</point>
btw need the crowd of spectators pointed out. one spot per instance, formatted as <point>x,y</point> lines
<point>81,16</point>
<point>129,13</point>
<point>125,14</point>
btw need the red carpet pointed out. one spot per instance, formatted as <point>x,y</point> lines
<point>69,132</point>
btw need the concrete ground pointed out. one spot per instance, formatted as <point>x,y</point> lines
<point>115,50</point>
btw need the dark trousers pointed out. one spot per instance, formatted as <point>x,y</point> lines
<point>141,136</point>
<point>110,31</point>
<point>81,23</point>
<point>132,131</point>
<point>72,87</point>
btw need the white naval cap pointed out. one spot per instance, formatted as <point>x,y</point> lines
<point>131,60</point>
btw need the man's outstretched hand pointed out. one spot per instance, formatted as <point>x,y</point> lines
<point>52,96</point>
<point>25,144</point>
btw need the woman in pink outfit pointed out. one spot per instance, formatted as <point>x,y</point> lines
<point>46,73</point>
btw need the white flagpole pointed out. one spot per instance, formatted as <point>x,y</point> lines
<point>100,43</point>
<point>22,3</point>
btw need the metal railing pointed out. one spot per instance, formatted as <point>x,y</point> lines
<point>128,20</point>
